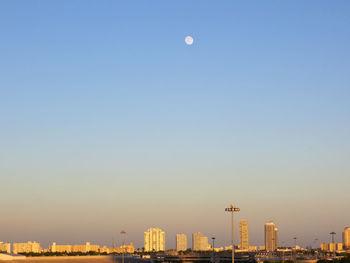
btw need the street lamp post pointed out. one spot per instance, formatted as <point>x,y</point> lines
<point>123,232</point>
<point>232,209</point>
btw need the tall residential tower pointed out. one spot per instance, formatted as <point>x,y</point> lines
<point>346,238</point>
<point>271,236</point>
<point>199,242</point>
<point>243,235</point>
<point>181,242</point>
<point>154,240</point>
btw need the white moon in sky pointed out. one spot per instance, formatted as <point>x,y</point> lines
<point>189,40</point>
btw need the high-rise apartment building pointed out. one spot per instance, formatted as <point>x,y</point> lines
<point>199,242</point>
<point>243,235</point>
<point>181,242</point>
<point>271,236</point>
<point>154,240</point>
<point>26,247</point>
<point>346,238</point>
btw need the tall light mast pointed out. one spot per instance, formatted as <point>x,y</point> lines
<point>232,209</point>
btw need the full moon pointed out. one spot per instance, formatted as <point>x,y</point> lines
<point>189,40</point>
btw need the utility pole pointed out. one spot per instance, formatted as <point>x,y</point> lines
<point>232,209</point>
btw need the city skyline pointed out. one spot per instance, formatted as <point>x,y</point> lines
<point>154,241</point>
<point>110,121</point>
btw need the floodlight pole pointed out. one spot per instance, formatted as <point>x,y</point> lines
<point>123,232</point>
<point>333,244</point>
<point>232,209</point>
<point>213,238</point>
<point>295,247</point>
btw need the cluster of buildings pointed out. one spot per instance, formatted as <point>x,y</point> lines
<point>87,247</point>
<point>154,241</point>
<point>333,246</point>
<point>34,247</point>
<point>200,242</point>
<point>28,247</point>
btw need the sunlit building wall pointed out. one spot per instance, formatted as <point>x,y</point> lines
<point>271,236</point>
<point>123,249</point>
<point>324,246</point>
<point>154,240</point>
<point>29,247</point>
<point>5,247</point>
<point>181,242</point>
<point>346,238</point>
<point>340,246</point>
<point>243,235</point>
<point>85,248</point>
<point>60,248</point>
<point>199,242</point>
<point>332,247</point>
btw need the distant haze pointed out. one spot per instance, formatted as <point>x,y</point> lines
<point>109,121</point>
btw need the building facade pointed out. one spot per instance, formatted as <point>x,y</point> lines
<point>123,249</point>
<point>85,248</point>
<point>324,246</point>
<point>60,248</point>
<point>199,242</point>
<point>243,235</point>
<point>154,240</point>
<point>346,238</point>
<point>5,247</point>
<point>29,247</point>
<point>181,242</point>
<point>331,247</point>
<point>271,236</point>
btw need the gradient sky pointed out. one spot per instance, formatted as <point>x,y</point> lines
<point>109,121</point>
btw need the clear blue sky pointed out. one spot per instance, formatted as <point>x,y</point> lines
<point>109,121</point>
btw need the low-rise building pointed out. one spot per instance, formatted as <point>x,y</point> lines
<point>85,248</point>
<point>339,246</point>
<point>324,246</point>
<point>60,248</point>
<point>123,249</point>
<point>5,247</point>
<point>104,249</point>
<point>29,247</point>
